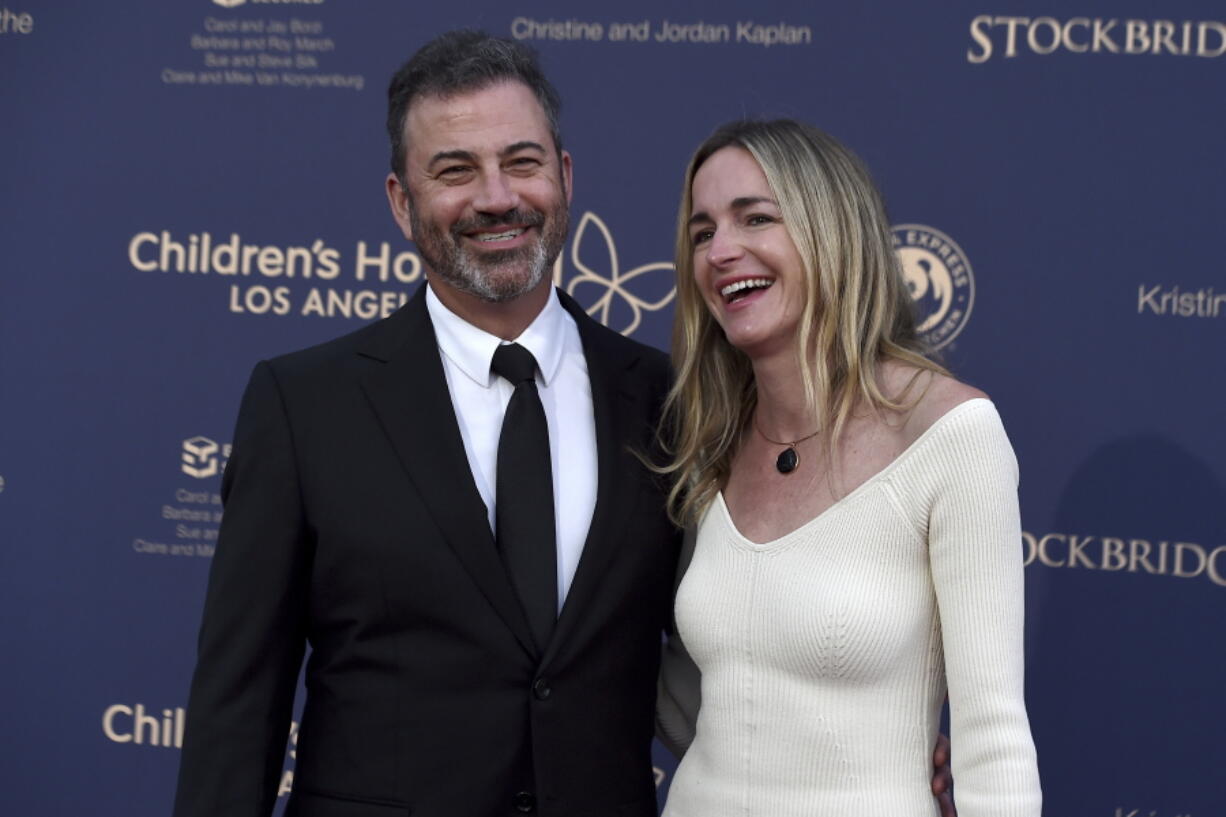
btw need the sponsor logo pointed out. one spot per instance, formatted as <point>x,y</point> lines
<point>1197,303</point>
<point>203,458</point>
<point>16,22</point>
<point>620,298</point>
<point>939,278</point>
<point>1010,36</point>
<point>1111,554</point>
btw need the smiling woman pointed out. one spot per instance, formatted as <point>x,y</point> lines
<point>856,510</point>
<point>745,264</point>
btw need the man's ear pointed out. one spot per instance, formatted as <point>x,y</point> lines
<point>398,200</point>
<point>568,181</point>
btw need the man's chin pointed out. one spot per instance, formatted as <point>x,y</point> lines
<point>504,275</point>
<point>501,290</point>
<point>497,283</point>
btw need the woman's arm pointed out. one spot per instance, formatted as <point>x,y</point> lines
<point>976,559</point>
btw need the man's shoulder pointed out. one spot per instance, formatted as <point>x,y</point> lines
<point>356,350</point>
<point>329,350</point>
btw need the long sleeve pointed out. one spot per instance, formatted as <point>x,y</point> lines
<point>252,637</point>
<point>974,539</point>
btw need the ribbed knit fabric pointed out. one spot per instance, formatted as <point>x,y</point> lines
<point>825,653</point>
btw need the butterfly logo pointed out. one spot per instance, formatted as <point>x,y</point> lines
<point>615,298</point>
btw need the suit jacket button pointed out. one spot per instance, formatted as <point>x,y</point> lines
<point>524,801</point>
<point>541,689</point>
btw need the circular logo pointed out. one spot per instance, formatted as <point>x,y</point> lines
<point>940,280</point>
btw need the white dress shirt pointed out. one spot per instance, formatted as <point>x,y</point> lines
<point>480,399</point>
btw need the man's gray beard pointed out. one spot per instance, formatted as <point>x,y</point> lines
<point>481,278</point>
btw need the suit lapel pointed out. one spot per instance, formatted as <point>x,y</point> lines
<point>613,399</point>
<point>410,397</point>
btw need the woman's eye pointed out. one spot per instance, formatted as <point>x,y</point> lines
<point>701,236</point>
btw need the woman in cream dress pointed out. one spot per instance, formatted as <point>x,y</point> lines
<point>858,544</point>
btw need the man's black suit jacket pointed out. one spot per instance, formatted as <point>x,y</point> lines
<point>352,524</point>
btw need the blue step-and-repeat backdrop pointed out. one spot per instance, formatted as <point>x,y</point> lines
<point>188,187</point>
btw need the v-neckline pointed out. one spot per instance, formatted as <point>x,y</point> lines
<point>848,497</point>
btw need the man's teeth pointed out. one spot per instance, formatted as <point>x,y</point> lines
<point>500,236</point>
<point>748,283</point>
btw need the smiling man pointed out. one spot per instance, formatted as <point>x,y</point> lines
<point>447,507</point>
<point>488,217</point>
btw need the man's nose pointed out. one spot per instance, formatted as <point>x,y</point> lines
<point>496,194</point>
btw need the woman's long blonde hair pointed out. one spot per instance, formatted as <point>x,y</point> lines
<point>857,311</point>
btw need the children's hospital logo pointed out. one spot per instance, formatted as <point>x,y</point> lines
<point>612,296</point>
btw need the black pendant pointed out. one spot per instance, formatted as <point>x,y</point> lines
<point>788,460</point>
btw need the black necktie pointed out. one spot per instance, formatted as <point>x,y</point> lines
<point>524,502</point>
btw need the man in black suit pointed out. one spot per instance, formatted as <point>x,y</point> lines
<point>360,510</point>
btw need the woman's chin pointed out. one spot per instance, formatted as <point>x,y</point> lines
<point>757,344</point>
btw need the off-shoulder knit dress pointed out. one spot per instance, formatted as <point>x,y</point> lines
<point>825,654</point>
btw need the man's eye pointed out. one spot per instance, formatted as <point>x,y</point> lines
<point>454,171</point>
<point>524,163</point>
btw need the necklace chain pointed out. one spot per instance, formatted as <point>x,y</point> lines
<point>758,428</point>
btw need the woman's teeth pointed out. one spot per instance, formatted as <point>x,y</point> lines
<point>744,287</point>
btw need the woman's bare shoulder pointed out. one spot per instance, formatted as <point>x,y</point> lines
<point>928,395</point>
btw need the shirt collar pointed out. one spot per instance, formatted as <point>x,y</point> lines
<point>471,349</point>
